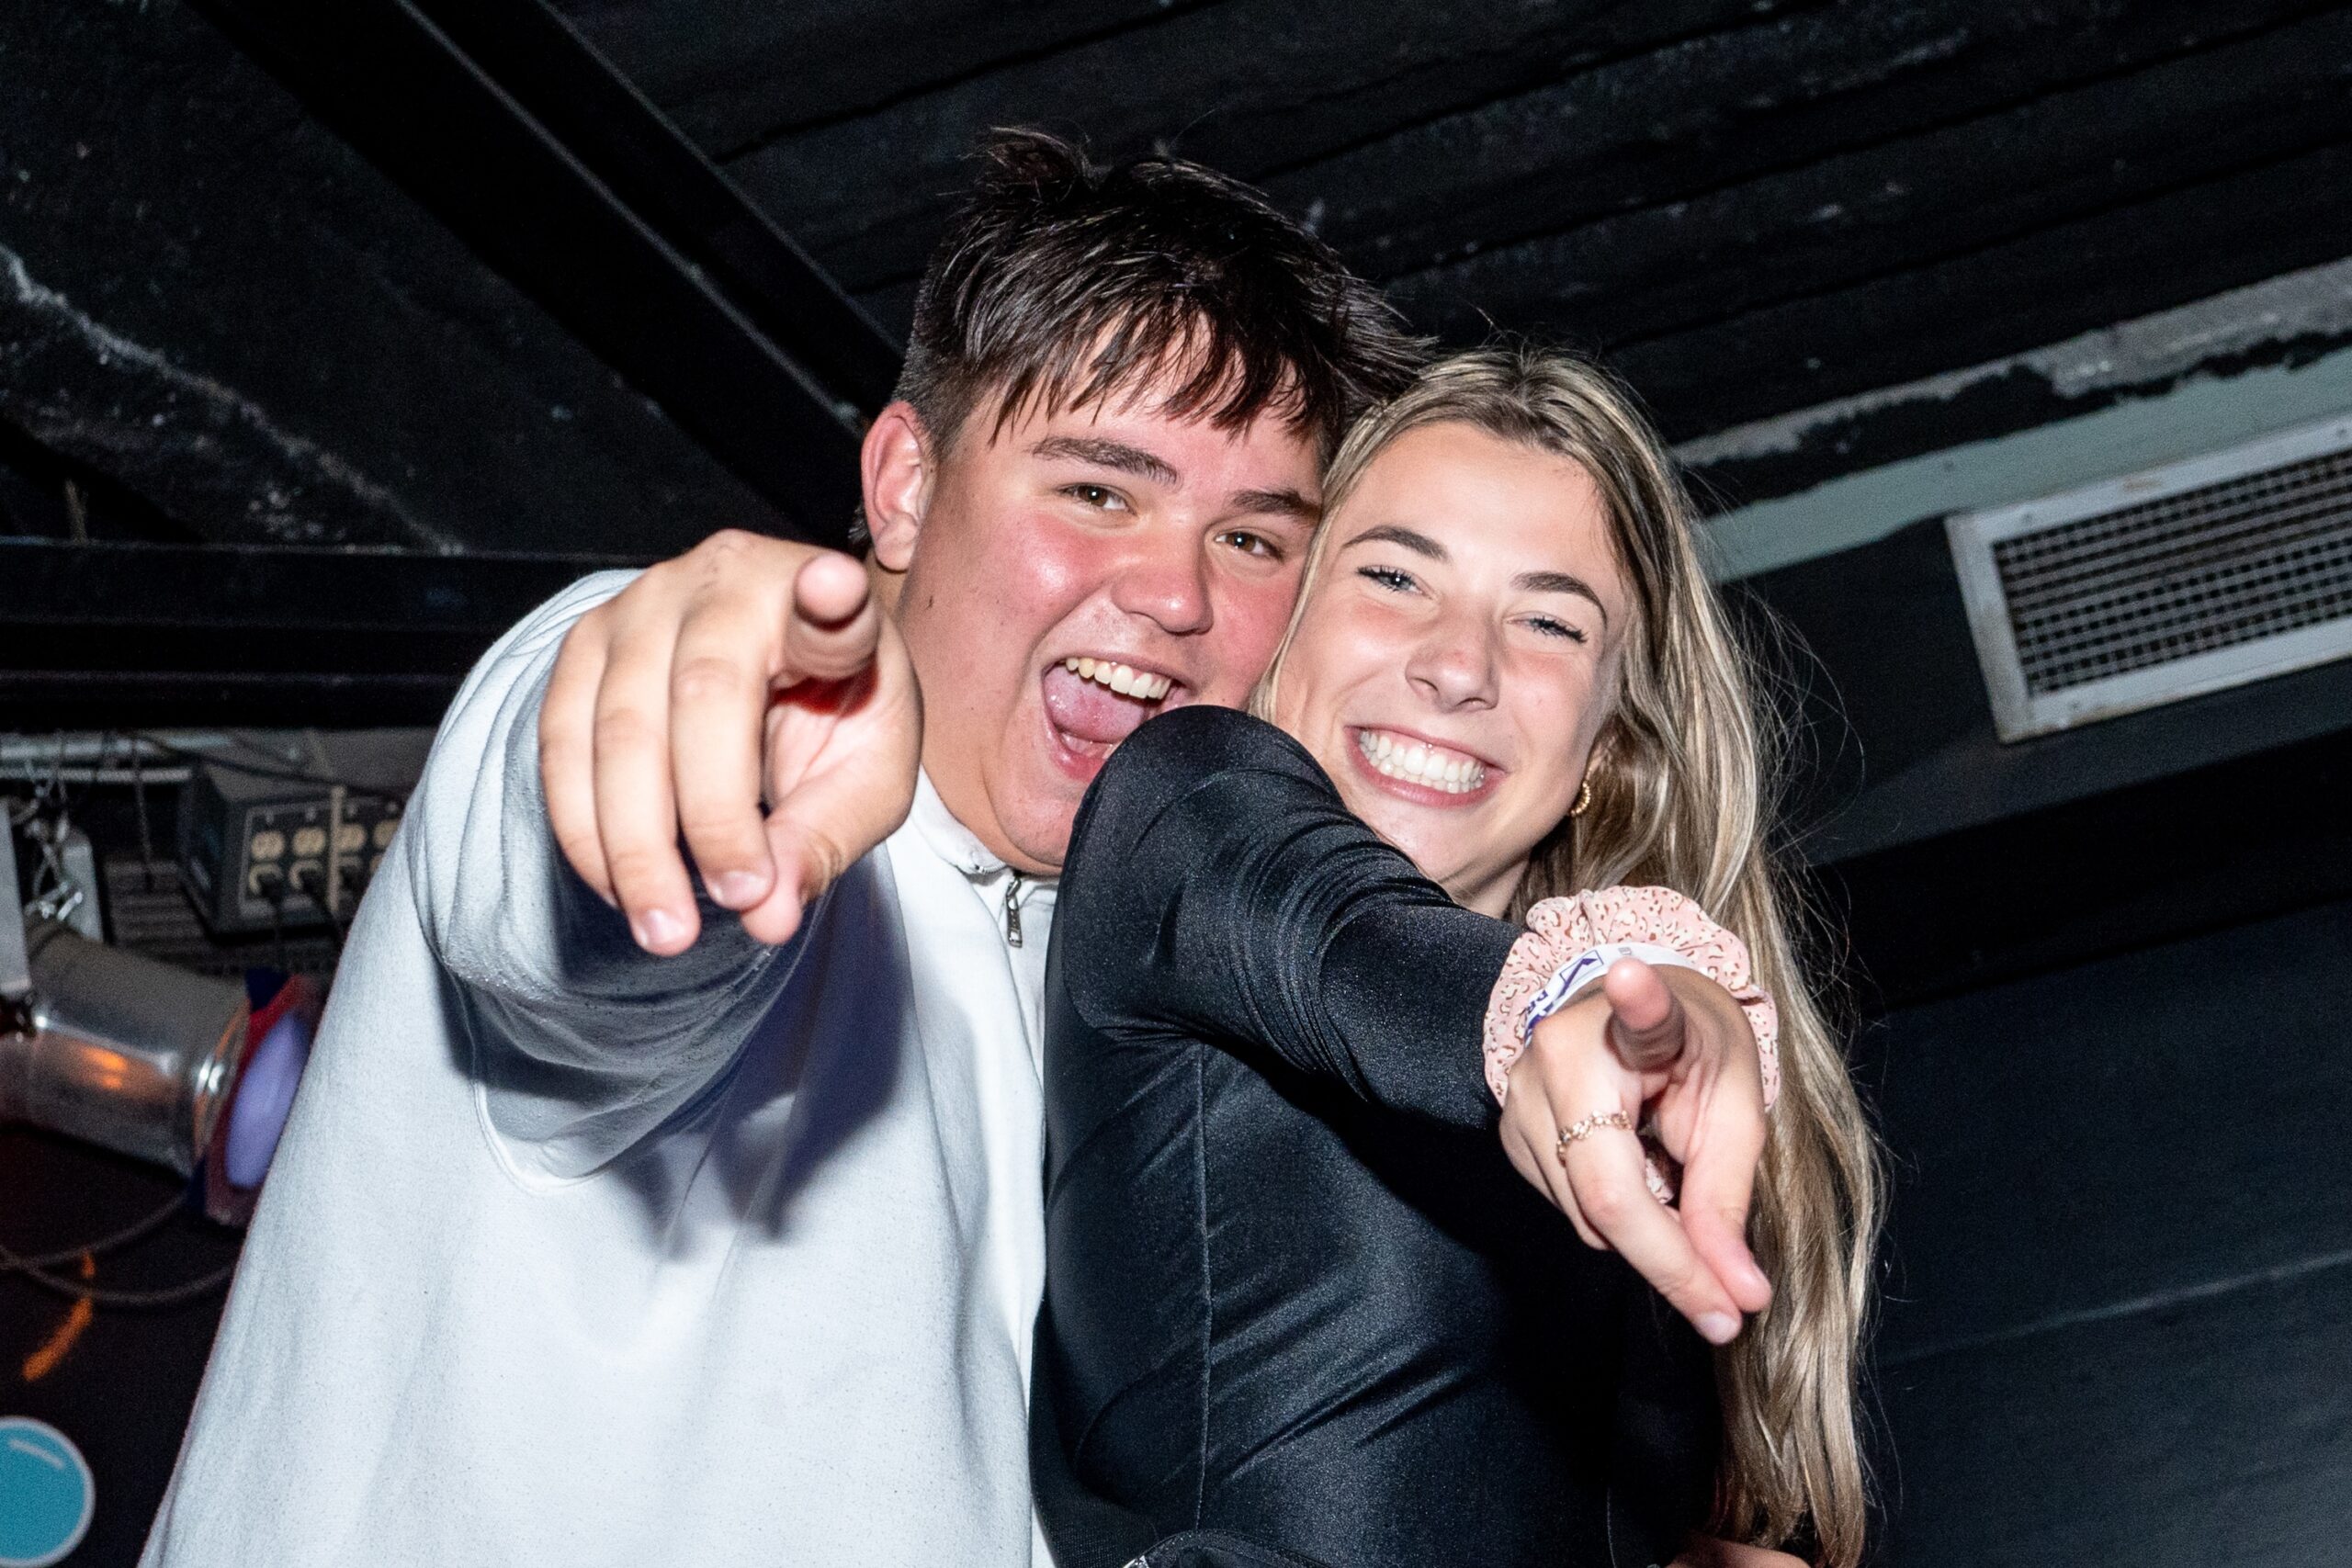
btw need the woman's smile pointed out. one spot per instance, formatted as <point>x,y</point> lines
<point>1414,768</point>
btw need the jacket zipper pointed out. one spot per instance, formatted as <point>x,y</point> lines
<point>1012,911</point>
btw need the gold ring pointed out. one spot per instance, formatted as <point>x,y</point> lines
<point>1577,1132</point>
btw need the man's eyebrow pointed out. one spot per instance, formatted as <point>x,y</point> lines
<point>1420,544</point>
<point>1115,454</point>
<point>1559,583</point>
<point>1285,501</point>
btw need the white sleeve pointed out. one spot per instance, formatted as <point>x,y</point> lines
<point>582,1042</point>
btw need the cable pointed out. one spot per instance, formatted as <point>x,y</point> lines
<point>36,1266</point>
<point>277,925</point>
<point>314,886</point>
<point>167,1295</point>
<point>10,1261</point>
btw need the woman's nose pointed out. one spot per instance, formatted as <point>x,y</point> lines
<point>1453,666</point>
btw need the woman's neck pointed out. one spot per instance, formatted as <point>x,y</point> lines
<point>1489,895</point>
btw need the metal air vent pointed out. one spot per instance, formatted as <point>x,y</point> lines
<point>2145,590</point>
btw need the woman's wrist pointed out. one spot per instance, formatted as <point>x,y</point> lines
<point>1569,945</point>
<point>1588,969</point>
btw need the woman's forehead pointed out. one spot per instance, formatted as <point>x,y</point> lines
<point>1465,489</point>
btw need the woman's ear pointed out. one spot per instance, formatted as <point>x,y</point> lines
<point>1607,749</point>
<point>897,465</point>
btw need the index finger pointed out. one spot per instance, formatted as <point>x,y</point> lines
<point>835,624</point>
<point>1719,1183</point>
<point>1605,1169</point>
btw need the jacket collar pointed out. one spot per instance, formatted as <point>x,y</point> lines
<point>948,839</point>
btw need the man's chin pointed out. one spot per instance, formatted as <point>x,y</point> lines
<point>1066,765</point>
<point>1034,814</point>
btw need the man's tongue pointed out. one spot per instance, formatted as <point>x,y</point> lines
<point>1085,710</point>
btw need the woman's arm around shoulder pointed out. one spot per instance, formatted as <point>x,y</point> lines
<point>1217,887</point>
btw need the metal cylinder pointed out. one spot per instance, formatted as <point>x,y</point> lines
<point>127,1053</point>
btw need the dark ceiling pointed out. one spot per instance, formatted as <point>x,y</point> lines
<point>1750,206</point>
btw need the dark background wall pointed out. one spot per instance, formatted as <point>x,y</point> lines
<point>2118,1313</point>
<point>332,337</point>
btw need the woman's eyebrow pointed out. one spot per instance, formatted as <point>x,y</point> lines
<point>1397,534</point>
<point>1559,583</point>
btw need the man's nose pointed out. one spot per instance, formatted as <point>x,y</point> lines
<point>1453,665</point>
<point>1166,582</point>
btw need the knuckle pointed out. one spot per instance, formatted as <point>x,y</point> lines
<point>725,549</point>
<point>1606,1202</point>
<point>663,577</point>
<point>713,825</point>
<point>1518,1114</point>
<point>826,861</point>
<point>707,677</point>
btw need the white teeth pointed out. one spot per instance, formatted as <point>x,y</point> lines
<point>1417,762</point>
<point>1123,679</point>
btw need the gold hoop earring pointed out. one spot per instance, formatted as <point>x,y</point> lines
<point>1584,799</point>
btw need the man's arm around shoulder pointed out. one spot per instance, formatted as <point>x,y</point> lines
<point>572,1014</point>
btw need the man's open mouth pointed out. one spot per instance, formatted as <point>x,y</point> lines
<point>1094,703</point>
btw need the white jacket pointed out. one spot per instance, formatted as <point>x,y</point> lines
<point>571,1256</point>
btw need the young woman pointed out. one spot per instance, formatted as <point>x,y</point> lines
<point>1296,1308</point>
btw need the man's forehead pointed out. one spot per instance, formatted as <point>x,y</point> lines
<point>1142,434</point>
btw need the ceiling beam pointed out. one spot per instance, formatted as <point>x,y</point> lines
<point>515,133</point>
<point>97,634</point>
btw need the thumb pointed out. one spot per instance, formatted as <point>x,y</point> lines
<point>806,860</point>
<point>1646,1023</point>
<point>813,834</point>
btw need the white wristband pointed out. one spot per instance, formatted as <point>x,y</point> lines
<point>1585,970</point>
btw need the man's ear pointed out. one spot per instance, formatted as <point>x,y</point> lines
<point>898,470</point>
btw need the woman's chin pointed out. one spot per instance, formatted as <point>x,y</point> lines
<point>1426,844</point>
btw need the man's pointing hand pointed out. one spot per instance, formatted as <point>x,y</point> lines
<point>747,671</point>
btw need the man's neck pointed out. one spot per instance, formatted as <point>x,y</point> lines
<point>965,800</point>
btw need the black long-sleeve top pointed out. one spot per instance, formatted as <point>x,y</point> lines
<point>1295,1292</point>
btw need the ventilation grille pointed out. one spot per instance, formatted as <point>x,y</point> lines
<point>2153,588</point>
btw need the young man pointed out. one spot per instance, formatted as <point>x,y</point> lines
<point>616,1225</point>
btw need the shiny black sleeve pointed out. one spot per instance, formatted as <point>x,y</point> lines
<point>1216,889</point>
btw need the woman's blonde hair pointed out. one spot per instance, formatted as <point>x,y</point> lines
<point>1680,775</point>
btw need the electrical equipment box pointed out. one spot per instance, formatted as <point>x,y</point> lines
<point>264,849</point>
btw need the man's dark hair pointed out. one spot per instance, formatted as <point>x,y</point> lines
<point>1060,282</point>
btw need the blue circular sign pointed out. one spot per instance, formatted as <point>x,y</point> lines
<point>46,1493</point>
